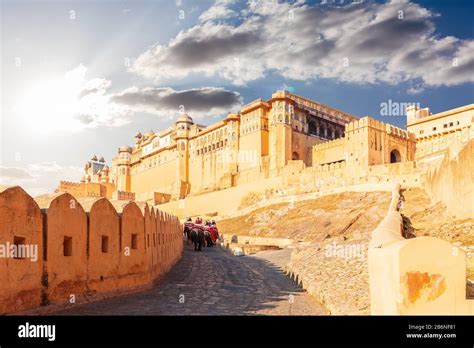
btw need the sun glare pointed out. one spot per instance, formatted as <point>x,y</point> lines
<point>53,105</point>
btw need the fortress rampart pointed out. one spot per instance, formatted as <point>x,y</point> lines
<point>80,249</point>
<point>451,181</point>
<point>417,276</point>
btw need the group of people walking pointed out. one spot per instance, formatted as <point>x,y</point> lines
<point>201,234</point>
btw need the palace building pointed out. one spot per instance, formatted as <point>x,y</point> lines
<point>434,133</point>
<point>256,143</point>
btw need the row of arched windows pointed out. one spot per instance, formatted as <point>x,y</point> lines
<point>324,130</point>
<point>211,137</point>
<point>253,128</point>
<point>209,148</point>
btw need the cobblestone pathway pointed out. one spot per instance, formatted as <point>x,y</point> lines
<point>214,282</point>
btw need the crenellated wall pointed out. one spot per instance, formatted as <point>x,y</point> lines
<point>20,222</point>
<point>367,142</point>
<point>87,248</point>
<point>452,180</point>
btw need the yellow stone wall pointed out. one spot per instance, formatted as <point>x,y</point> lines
<point>208,165</point>
<point>188,159</point>
<point>259,142</point>
<point>157,173</point>
<point>367,142</point>
<point>434,133</point>
<point>88,189</point>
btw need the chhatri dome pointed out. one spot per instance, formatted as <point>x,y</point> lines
<point>184,118</point>
<point>125,148</point>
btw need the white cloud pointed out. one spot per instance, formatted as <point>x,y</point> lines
<point>389,42</point>
<point>69,103</point>
<point>220,9</point>
<point>74,103</point>
<point>39,178</point>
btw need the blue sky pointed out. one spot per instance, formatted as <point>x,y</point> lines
<point>81,77</point>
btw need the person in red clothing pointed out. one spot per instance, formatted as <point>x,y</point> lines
<point>214,231</point>
<point>197,235</point>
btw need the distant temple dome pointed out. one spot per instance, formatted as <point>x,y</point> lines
<point>94,158</point>
<point>184,118</point>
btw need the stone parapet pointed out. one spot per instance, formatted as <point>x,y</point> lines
<point>418,276</point>
<point>81,249</point>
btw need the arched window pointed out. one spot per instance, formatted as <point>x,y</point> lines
<point>312,129</point>
<point>395,156</point>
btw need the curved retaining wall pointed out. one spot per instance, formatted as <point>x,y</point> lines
<point>79,250</point>
<point>423,275</point>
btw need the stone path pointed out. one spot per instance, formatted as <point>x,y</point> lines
<point>215,282</point>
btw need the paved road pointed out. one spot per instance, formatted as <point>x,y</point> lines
<point>215,282</point>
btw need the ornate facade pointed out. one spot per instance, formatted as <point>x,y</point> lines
<point>188,158</point>
<point>256,143</point>
<point>435,132</point>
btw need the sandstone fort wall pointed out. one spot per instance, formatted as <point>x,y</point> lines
<point>452,181</point>
<point>86,249</point>
<point>20,223</point>
<point>296,178</point>
<point>422,275</point>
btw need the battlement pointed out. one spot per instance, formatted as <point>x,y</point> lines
<point>70,184</point>
<point>330,167</point>
<point>329,144</point>
<point>123,196</point>
<point>367,121</point>
<point>75,228</point>
<point>86,189</point>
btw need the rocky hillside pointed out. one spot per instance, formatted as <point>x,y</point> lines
<point>343,216</point>
<point>332,264</point>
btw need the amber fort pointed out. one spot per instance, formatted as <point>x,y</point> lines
<point>259,142</point>
<point>276,153</point>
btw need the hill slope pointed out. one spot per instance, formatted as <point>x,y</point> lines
<point>332,264</point>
